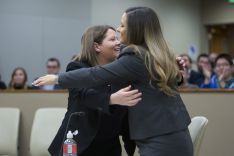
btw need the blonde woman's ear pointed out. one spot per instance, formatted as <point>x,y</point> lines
<point>96,47</point>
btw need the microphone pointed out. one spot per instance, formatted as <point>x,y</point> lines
<point>80,113</point>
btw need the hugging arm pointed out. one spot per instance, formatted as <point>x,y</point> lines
<point>92,98</point>
<point>126,69</point>
<point>101,99</point>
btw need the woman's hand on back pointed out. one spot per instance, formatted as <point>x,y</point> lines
<point>126,97</point>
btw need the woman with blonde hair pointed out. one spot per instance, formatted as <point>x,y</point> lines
<point>159,122</point>
<point>92,111</point>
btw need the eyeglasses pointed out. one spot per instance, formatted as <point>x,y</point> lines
<point>52,67</point>
<point>222,65</point>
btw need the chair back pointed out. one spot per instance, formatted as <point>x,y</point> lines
<point>197,129</point>
<point>45,126</point>
<point>9,130</point>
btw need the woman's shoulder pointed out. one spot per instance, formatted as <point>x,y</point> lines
<point>132,59</point>
<point>127,51</point>
<point>76,65</point>
<point>137,50</point>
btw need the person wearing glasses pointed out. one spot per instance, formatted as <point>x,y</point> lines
<point>223,77</point>
<point>52,67</point>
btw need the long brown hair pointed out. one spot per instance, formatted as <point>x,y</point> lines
<point>95,34</point>
<point>12,83</point>
<point>144,30</point>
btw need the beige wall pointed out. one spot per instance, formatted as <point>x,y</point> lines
<point>214,12</point>
<point>180,19</point>
<point>217,12</point>
<point>42,29</point>
<point>216,106</point>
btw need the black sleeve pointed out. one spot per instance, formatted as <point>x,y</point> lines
<point>91,98</point>
<point>2,85</point>
<point>95,99</point>
<point>126,69</point>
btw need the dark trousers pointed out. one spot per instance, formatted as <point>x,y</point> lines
<point>103,147</point>
<point>172,144</point>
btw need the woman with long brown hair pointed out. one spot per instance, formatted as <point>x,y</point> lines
<point>19,79</point>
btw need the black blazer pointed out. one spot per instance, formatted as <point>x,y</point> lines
<point>90,107</point>
<point>196,78</point>
<point>2,85</point>
<point>156,114</point>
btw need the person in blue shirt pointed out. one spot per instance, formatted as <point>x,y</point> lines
<point>223,77</point>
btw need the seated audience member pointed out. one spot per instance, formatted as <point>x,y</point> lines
<point>2,84</point>
<point>233,68</point>
<point>212,57</point>
<point>193,77</point>
<point>223,77</point>
<point>185,83</point>
<point>52,67</point>
<point>204,67</point>
<point>18,79</point>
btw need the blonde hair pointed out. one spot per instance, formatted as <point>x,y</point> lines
<point>144,30</point>
<point>95,34</point>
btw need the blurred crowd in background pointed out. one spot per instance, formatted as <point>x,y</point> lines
<point>211,71</point>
